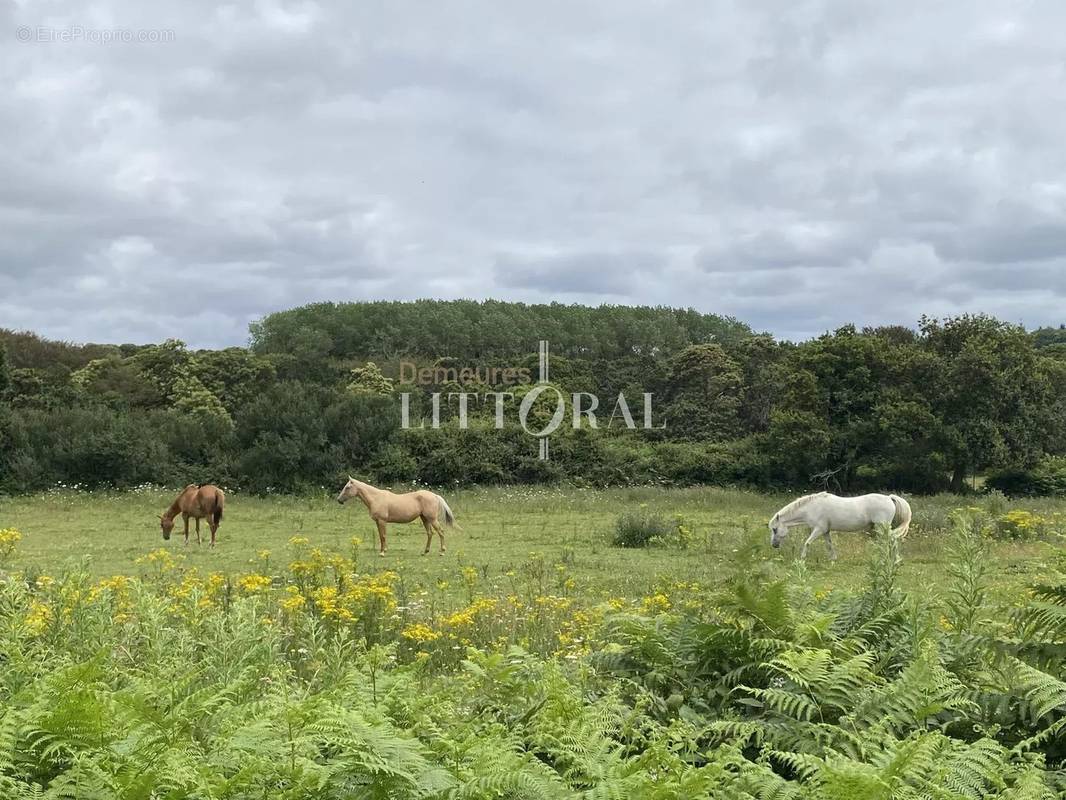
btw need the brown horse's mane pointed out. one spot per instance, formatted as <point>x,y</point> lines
<point>175,507</point>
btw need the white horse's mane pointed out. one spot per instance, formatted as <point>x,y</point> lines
<point>799,502</point>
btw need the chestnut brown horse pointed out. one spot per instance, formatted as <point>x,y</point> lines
<point>198,501</point>
<point>384,507</point>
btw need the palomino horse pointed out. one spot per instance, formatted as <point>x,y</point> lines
<point>825,512</point>
<point>197,501</point>
<point>384,507</point>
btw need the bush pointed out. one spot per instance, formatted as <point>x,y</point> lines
<point>91,445</point>
<point>1046,479</point>
<point>640,529</point>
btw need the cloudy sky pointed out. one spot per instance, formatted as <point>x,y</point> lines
<point>795,164</point>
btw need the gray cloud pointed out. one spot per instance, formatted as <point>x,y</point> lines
<point>797,165</point>
<point>617,274</point>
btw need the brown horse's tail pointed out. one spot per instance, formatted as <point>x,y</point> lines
<point>220,502</point>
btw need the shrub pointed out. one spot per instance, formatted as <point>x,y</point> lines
<point>640,529</point>
<point>1047,478</point>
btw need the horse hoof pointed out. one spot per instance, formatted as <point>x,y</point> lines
<point>382,553</point>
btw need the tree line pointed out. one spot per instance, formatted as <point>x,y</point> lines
<point>317,395</point>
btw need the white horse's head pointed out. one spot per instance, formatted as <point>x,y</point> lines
<point>351,489</point>
<point>778,531</point>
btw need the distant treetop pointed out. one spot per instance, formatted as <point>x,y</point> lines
<point>481,329</point>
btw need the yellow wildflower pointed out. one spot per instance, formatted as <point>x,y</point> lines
<point>420,632</point>
<point>656,603</point>
<point>39,618</point>
<point>9,537</point>
<point>293,600</point>
<point>252,584</point>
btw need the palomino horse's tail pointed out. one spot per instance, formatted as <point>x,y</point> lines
<point>220,502</point>
<point>449,517</point>
<point>903,514</point>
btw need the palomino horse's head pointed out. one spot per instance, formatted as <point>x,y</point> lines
<point>351,489</point>
<point>167,524</point>
<point>778,530</point>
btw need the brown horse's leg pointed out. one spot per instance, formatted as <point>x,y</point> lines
<point>197,531</point>
<point>429,534</point>
<point>185,520</point>
<point>381,536</point>
<point>214,527</point>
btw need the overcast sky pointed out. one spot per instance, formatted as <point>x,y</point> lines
<point>796,164</point>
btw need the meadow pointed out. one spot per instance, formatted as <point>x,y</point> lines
<point>535,659</point>
<point>502,529</point>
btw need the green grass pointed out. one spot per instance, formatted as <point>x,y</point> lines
<point>503,529</point>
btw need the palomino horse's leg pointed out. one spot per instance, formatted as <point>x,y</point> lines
<point>381,536</point>
<point>814,535</point>
<point>440,533</point>
<point>429,533</point>
<point>832,550</point>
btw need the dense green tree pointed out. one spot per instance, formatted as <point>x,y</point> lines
<point>797,445</point>
<point>29,351</point>
<point>765,374</point>
<point>163,364</point>
<point>191,397</point>
<point>234,375</point>
<point>850,371</point>
<point>5,373</point>
<point>119,381</point>
<point>704,388</point>
<point>1046,337</point>
<point>368,379</point>
<point>885,408</point>
<point>472,330</point>
<point>283,439</point>
<point>990,394</point>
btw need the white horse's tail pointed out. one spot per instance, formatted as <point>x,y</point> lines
<point>903,514</point>
<point>446,512</point>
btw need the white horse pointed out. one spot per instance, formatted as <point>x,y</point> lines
<point>825,512</point>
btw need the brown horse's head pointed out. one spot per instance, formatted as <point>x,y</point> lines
<point>351,489</point>
<point>167,524</point>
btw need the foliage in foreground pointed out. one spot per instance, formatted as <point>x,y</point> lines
<point>322,682</point>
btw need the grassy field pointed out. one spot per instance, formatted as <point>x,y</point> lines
<point>535,659</point>
<point>566,532</point>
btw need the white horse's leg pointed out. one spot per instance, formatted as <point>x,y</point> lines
<point>832,550</point>
<point>815,533</point>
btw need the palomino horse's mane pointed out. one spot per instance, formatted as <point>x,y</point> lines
<point>799,502</point>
